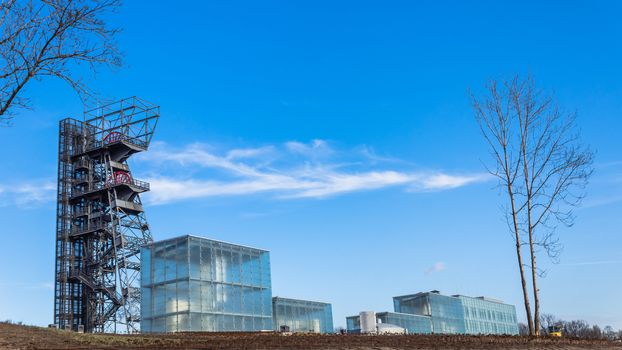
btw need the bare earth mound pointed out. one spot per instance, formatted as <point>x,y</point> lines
<point>24,337</point>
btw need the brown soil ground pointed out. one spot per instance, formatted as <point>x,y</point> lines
<point>24,337</point>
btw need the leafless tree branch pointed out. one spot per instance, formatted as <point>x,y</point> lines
<point>541,162</point>
<point>51,38</point>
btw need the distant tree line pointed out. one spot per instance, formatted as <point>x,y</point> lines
<point>573,329</point>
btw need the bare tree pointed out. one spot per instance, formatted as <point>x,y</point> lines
<point>51,38</point>
<point>546,321</point>
<point>497,123</point>
<point>523,329</point>
<point>609,333</point>
<point>541,166</point>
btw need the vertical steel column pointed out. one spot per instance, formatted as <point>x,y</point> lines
<point>101,224</point>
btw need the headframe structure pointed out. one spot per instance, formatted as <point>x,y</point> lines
<point>100,223</point>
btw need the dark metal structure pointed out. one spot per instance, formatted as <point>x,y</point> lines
<point>101,224</point>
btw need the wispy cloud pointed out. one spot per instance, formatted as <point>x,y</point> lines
<point>249,152</point>
<point>285,171</point>
<point>322,172</point>
<point>370,154</point>
<point>315,148</point>
<point>602,200</point>
<point>27,194</point>
<point>437,267</point>
<point>588,263</point>
<point>28,285</point>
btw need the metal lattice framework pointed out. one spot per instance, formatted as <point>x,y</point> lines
<point>101,224</point>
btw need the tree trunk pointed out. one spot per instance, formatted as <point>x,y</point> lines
<point>524,121</point>
<point>519,256</point>
<point>536,291</point>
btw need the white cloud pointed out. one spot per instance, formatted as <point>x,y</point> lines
<point>587,263</point>
<point>370,154</point>
<point>248,152</point>
<point>287,171</point>
<point>246,172</point>
<point>440,181</point>
<point>27,194</point>
<point>332,183</point>
<point>28,285</point>
<point>437,267</point>
<point>315,148</point>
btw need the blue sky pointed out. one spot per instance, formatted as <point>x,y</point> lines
<point>340,138</point>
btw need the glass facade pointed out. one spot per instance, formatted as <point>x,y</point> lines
<point>460,314</point>
<point>485,316</point>
<point>446,312</point>
<point>414,324</point>
<point>302,315</point>
<point>196,284</point>
<point>353,324</point>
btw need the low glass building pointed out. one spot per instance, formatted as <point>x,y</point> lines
<point>446,312</point>
<point>488,316</point>
<point>191,283</point>
<point>414,324</point>
<point>459,314</point>
<point>302,315</point>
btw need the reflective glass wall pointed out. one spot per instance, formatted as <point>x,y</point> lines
<point>460,314</point>
<point>446,312</point>
<point>353,324</point>
<point>414,324</point>
<point>485,316</point>
<point>196,284</point>
<point>302,315</point>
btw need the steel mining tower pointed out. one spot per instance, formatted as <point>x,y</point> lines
<point>101,224</point>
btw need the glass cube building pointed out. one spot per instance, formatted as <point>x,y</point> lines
<point>302,315</point>
<point>191,283</point>
<point>414,324</point>
<point>460,314</point>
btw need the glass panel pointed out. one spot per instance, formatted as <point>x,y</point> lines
<point>159,301</point>
<point>145,303</point>
<point>181,259</point>
<point>207,273</point>
<point>145,325</point>
<point>171,298</point>
<point>195,296</point>
<point>159,325</point>
<point>171,323</point>
<point>183,295</point>
<point>195,259</point>
<point>183,322</point>
<point>170,264</point>
<point>195,322</point>
<point>145,261</point>
<point>159,264</point>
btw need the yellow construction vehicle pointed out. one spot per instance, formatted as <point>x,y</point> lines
<point>555,331</point>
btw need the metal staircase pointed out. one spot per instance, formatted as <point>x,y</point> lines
<point>101,224</point>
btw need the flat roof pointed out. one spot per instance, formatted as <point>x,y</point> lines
<point>394,313</point>
<point>205,239</point>
<point>414,295</point>
<point>402,313</point>
<point>457,296</point>
<point>303,300</point>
